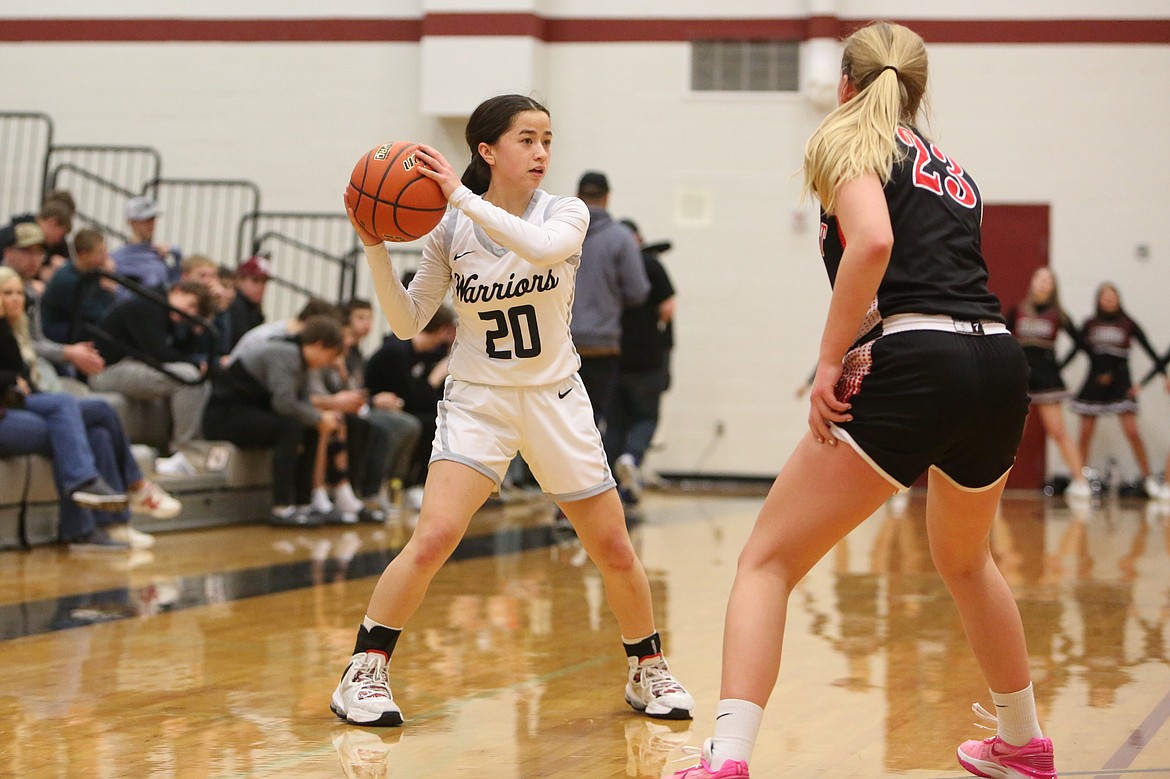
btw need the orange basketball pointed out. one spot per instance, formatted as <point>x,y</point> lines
<point>390,198</point>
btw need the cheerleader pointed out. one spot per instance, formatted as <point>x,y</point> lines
<point>1036,322</point>
<point>1108,390</point>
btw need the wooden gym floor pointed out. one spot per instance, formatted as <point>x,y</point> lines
<point>215,654</point>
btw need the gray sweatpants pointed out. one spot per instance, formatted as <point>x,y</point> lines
<point>138,380</point>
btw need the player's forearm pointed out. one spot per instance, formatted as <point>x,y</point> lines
<point>557,240</point>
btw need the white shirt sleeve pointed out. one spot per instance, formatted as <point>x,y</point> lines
<point>557,239</point>
<point>409,310</point>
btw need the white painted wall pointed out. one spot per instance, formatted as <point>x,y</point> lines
<point>1079,127</point>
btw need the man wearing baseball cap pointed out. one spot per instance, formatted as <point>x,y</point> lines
<point>25,255</point>
<point>612,278</point>
<point>150,264</point>
<point>246,311</point>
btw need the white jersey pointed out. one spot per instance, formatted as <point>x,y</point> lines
<point>512,279</point>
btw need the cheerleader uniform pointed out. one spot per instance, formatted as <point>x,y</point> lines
<point>1036,328</point>
<point>1107,340</point>
<point>935,379</point>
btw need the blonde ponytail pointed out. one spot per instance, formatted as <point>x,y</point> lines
<point>886,64</point>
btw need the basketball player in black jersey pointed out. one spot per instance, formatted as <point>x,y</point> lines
<point>917,373</point>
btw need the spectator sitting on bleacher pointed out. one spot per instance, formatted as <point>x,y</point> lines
<point>8,231</point>
<point>261,400</point>
<point>146,359</point>
<point>92,463</point>
<point>415,370</point>
<point>358,454</point>
<point>203,270</point>
<point>56,221</point>
<point>247,309</point>
<point>151,264</point>
<point>401,429</point>
<point>77,295</point>
<point>284,328</point>
<point>25,256</point>
<point>223,317</point>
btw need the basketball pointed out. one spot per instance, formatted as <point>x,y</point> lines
<point>390,197</point>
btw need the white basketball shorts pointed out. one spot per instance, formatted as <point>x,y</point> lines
<point>551,426</point>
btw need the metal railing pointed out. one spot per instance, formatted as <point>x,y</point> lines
<point>25,140</point>
<point>101,180</point>
<point>104,201</point>
<point>312,254</point>
<point>202,215</point>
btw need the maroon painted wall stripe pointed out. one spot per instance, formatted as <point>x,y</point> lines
<point>200,30</point>
<point>1149,31</point>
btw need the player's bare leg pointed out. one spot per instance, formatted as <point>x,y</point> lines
<point>797,525</point>
<point>453,494</point>
<point>601,527</point>
<point>958,523</point>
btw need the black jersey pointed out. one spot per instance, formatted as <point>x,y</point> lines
<point>936,266</point>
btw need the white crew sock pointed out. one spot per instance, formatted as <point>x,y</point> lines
<point>1015,715</point>
<point>737,723</point>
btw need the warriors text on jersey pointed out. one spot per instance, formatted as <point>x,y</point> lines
<point>512,279</point>
<point>936,265</point>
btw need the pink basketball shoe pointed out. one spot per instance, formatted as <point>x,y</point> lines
<point>731,769</point>
<point>996,759</point>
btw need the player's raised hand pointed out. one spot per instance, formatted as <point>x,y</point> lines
<point>438,169</point>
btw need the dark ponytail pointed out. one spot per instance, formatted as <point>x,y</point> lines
<point>488,122</point>
<point>478,174</point>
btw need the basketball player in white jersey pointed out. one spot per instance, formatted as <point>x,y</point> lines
<point>509,252</point>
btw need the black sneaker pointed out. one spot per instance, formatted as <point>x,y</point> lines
<point>374,515</point>
<point>96,494</point>
<point>295,517</point>
<point>97,540</point>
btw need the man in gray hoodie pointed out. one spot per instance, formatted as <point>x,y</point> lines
<point>612,278</point>
<point>261,400</point>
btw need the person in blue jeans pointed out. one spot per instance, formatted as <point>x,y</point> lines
<point>93,467</point>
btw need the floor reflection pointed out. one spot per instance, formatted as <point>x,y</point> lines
<point>513,667</point>
<point>1092,586</point>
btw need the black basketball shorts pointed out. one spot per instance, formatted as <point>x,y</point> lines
<point>923,398</point>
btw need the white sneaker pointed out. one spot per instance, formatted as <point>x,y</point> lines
<point>1078,490</point>
<point>1154,487</point>
<point>320,501</point>
<point>344,499</point>
<point>413,498</point>
<point>363,695</point>
<point>628,478</point>
<point>129,535</point>
<point>652,689</point>
<point>154,501</point>
<point>175,465</point>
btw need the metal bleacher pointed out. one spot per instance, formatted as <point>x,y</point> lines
<point>311,254</point>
